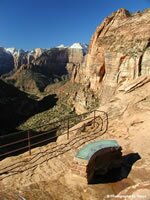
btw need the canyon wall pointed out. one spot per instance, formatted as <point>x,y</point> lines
<point>119,52</point>
<point>32,71</point>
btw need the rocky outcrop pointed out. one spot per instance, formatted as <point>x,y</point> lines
<point>119,51</point>
<point>75,58</point>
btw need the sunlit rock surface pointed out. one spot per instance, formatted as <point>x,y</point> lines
<point>119,52</point>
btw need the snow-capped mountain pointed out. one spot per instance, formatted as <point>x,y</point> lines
<point>14,51</point>
<point>11,50</point>
<point>12,58</point>
<point>61,46</point>
<point>84,47</point>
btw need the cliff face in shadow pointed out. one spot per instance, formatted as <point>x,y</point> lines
<point>16,106</point>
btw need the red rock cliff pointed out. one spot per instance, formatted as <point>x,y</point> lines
<point>119,51</point>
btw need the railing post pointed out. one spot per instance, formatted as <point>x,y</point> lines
<point>94,117</point>
<point>68,128</point>
<point>29,143</point>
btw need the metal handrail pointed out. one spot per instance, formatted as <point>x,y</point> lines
<point>29,137</point>
<point>52,123</point>
<point>36,136</point>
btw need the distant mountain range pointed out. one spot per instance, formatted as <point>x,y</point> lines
<point>34,70</point>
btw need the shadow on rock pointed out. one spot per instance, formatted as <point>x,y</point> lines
<point>19,109</point>
<point>47,102</point>
<point>25,141</point>
<point>119,173</point>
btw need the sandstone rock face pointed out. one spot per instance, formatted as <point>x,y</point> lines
<point>139,191</point>
<point>20,58</point>
<point>119,51</point>
<point>75,59</point>
<point>6,61</point>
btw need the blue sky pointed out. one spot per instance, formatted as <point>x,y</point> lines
<point>29,24</point>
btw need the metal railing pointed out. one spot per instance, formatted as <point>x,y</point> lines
<point>19,142</point>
